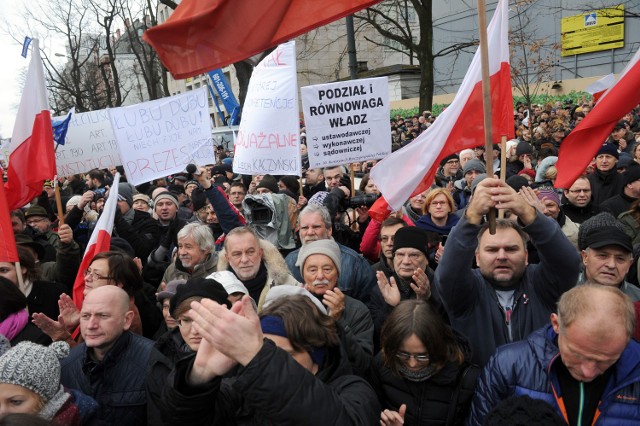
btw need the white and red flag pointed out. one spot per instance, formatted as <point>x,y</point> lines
<point>411,169</point>
<point>582,144</point>
<point>598,88</point>
<point>100,240</point>
<point>32,158</point>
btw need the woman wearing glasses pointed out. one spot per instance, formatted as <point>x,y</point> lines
<point>422,374</point>
<point>106,268</point>
<point>438,219</point>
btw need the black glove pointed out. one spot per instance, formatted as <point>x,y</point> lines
<point>345,180</point>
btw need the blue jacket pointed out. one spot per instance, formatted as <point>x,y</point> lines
<point>471,301</point>
<point>526,368</point>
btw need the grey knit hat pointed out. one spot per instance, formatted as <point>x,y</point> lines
<point>327,247</point>
<point>34,367</point>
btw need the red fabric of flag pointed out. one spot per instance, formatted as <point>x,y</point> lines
<point>8,251</point>
<point>411,169</point>
<point>32,157</point>
<point>100,240</point>
<point>582,144</point>
<point>203,35</point>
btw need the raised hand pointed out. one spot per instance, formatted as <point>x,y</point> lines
<point>393,418</point>
<point>334,301</point>
<point>236,333</point>
<point>388,288</point>
<point>56,330</point>
<point>421,285</point>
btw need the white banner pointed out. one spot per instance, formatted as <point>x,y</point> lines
<point>90,144</point>
<point>269,137</point>
<point>347,122</point>
<point>160,137</point>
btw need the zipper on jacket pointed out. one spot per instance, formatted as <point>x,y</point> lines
<point>581,404</point>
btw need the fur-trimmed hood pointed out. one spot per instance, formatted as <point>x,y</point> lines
<point>278,272</point>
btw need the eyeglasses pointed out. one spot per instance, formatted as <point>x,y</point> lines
<point>36,220</point>
<point>387,238</point>
<point>185,322</point>
<point>404,356</point>
<point>94,276</point>
<point>577,191</point>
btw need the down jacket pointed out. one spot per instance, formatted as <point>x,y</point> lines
<point>527,368</point>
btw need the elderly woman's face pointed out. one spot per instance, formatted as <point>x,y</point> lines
<point>17,399</point>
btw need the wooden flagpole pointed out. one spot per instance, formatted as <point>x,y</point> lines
<point>486,101</point>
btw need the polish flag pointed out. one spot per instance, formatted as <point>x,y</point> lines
<point>100,240</point>
<point>8,250</point>
<point>203,35</point>
<point>582,144</point>
<point>411,170</point>
<point>598,88</point>
<point>32,159</point>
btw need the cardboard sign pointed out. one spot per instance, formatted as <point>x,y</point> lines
<point>160,137</point>
<point>269,137</point>
<point>347,122</point>
<point>90,144</point>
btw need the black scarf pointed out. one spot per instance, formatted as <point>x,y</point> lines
<point>255,285</point>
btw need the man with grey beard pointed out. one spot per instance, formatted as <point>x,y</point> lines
<point>320,266</point>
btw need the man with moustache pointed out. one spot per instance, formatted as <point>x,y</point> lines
<point>320,266</point>
<point>196,254</point>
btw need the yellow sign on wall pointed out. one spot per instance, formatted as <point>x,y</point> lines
<point>601,29</point>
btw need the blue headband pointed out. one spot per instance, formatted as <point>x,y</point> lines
<point>275,325</point>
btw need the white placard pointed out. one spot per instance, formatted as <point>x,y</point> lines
<point>90,144</point>
<point>269,137</point>
<point>347,122</point>
<point>160,137</point>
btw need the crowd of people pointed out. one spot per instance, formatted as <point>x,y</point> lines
<point>229,299</point>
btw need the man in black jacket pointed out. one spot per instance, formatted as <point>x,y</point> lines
<point>605,181</point>
<point>577,203</point>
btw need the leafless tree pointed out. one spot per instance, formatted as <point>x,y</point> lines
<point>533,57</point>
<point>391,19</point>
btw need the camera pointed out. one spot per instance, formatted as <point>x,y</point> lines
<point>99,193</point>
<point>362,200</point>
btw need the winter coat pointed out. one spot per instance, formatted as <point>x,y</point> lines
<point>528,368</point>
<point>579,214</point>
<point>605,185</point>
<point>356,279</point>
<point>126,383</point>
<point>172,345</point>
<point>273,389</point>
<point>631,226</point>
<point>277,271</point>
<point>176,271</point>
<point>357,331</point>
<point>471,301</point>
<point>443,399</point>
<point>142,233</point>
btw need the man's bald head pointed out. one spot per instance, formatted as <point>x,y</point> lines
<point>104,317</point>
<point>594,324</point>
<point>114,294</point>
<point>600,307</point>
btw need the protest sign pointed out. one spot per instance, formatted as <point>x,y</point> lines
<point>90,144</point>
<point>269,137</point>
<point>161,137</point>
<point>347,122</point>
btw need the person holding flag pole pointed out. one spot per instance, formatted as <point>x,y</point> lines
<point>526,294</point>
<point>8,249</point>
